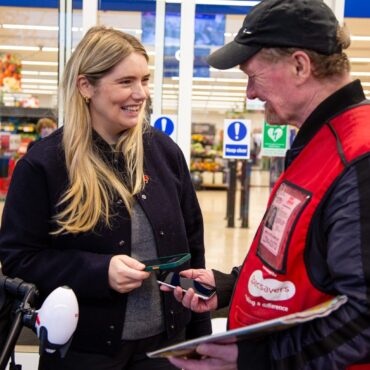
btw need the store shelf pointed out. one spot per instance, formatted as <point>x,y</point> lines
<point>19,112</point>
<point>206,158</point>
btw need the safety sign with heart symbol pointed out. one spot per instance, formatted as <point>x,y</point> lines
<point>275,133</point>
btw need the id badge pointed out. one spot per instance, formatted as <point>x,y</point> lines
<point>278,224</point>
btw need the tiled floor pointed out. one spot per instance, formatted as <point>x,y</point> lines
<point>225,247</point>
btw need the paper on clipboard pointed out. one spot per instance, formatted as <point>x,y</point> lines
<point>187,349</point>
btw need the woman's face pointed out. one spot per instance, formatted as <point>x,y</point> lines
<point>119,96</point>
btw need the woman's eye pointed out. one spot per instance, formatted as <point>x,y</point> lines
<point>125,82</point>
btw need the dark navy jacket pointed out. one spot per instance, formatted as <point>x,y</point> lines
<point>28,251</point>
<point>338,261</point>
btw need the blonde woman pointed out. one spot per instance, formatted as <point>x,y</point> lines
<point>93,199</point>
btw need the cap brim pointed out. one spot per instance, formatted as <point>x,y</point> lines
<point>231,55</point>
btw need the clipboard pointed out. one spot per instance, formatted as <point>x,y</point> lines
<point>188,348</point>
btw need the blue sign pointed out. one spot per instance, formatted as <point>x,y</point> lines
<point>236,138</point>
<point>164,124</point>
<point>236,151</point>
<point>237,131</point>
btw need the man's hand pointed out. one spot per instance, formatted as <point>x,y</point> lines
<point>216,357</point>
<point>189,299</point>
<point>126,273</point>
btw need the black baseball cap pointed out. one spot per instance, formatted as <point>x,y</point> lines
<point>306,24</point>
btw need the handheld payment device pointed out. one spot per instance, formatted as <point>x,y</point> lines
<point>173,279</point>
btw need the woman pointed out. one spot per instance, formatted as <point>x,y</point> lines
<point>93,199</point>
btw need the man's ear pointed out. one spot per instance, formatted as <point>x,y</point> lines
<point>84,86</point>
<point>302,66</point>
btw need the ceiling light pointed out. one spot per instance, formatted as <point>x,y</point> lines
<point>30,27</point>
<point>48,73</point>
<point>360,38</point>
<point>34,73</point>
<point>236,80</point>
<point>219,87</point>
<point>37,80</point>
<point>212,79</point>
<point>130,30</point>
<point>359,60</point>
<point>42,87</point>
<point>217,93</point>
<point>39,73</point>
<point>365,84</point>
<point>46,48</point>
<point>38,63</point>
<point>19,47</point>
<point>360,74</point>
<point>40,92</point>
<point>218,98</point>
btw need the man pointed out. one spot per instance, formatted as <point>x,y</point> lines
<point>319,244</point>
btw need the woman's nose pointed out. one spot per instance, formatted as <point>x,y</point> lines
<point>140,92</point>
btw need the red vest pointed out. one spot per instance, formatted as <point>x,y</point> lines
<point>274,281</point>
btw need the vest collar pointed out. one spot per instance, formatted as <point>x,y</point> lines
<point>345,97</point>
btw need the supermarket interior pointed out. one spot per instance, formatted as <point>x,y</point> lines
<point>37,38</point>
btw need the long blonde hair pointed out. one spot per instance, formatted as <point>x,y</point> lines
<point>93,184</point>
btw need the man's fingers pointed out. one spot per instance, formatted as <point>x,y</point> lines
<point>228,352</point>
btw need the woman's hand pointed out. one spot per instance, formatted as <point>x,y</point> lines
<point>215,357</point>
<point>189,299</point>
<point>126,273</point>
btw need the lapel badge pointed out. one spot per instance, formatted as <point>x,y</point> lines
<point>146,179</point>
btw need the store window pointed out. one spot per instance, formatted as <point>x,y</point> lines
<point>28,77</point>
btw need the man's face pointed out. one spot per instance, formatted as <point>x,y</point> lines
<point>273,83</point>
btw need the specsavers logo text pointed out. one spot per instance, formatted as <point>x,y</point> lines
<point>270,289</point>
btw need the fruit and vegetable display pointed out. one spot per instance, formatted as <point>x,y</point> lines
<point>10,73</point>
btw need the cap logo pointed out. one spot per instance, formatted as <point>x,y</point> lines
<point>248,32</point>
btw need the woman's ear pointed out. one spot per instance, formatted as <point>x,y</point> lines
<point>84,86</point>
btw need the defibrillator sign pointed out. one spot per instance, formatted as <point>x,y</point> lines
<point>274,140</point>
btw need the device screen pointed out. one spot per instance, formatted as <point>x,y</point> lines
<point>204,291</point>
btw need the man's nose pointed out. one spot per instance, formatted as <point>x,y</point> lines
<point>251,94</point>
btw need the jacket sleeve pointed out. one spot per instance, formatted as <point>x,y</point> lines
<point>200,324</point>
<point>26,244</point>
<point>225,286</point>
<point>338,260</point>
